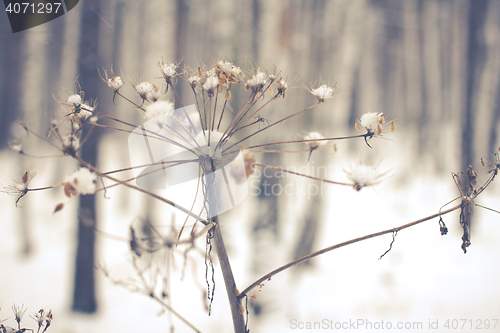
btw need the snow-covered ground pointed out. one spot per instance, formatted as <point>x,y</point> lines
<point>424,278</point>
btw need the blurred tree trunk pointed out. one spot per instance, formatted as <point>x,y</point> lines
<point>11,61</point>
<point>475,62</point>
<point>181,29</point>
<point>315,203</point>
<point>84,294</point>
<point>493,139</point>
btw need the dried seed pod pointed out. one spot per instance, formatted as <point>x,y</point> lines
<point>356,126</point>
<point>379,130</point>
<point>59,207</point>
<point>393,127</point>
<point>25,177</point>
<point>241,309</point>
<point>69,190</point>
<point>228,95</point>
<point>334,147</point>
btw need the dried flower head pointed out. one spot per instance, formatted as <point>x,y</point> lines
<point>144,89</point>
<point>322,93</point>
<point>18,313</point>
<point>81,182</point>
<point>281,86</point>
<point>86,111</point>
<point>228,72</point>
<point>19,189</point>
<point>168,71</point>
<point>115,83</point>
<point>314,136</point>
<point>257,81</point>
<point>211,84</point>
<point>158,108</point>
<point>364,175</point>
<point>75,100</point>
<point>194,81</point>
<point>42,319</point>
<point>372,122</point>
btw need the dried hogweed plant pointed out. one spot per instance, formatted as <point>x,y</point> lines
<point>42,318</point>
<point>204,147</point>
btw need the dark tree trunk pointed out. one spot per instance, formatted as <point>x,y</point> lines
<point>84,296</point>
<point>11,61</point>
<point>475,62</point>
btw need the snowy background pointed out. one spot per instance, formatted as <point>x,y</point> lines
<point>409,59</point>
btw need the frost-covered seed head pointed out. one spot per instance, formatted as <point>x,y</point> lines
<point>144,88</point>
<point>194,81</point>
<point>323,93</point>
<point>211,84</point>
<point>115,83</point>
<point>372,122</point>
<point>154,94</point>
<point>75,100</point>
<point>229,72</point>
<point>314,136</point>
<point>83,181</point>
<point>157,108</point>
<point>228,67</point>
<point>257,82</point>
<point>281,85</point>
<point>168,70</point>
<point>85,111</point>
<point>363,175</point>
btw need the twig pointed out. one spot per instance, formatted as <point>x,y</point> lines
<point>339,245</point>
<point>390,246</point>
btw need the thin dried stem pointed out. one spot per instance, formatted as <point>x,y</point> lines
<point>339,245</point>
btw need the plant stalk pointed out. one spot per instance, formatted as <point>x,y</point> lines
<point>227,273</point>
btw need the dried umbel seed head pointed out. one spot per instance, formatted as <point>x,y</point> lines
<point>322,93</point>
<point>82,182</point>
<point>315,136</point>
<point>373,123</point>
<point>228,72</point>
<point>364,175</point>
<point>211,84</point>
<point>75,100</point>
<point>281,86</point>
<point>168,71</point>
<point>144,89</point>
<point>158,108</point>
<point>85,111</point>
<point>194,81</point>
<point>257,81</point>
<point>154,94</point>
<point>115,83</point>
